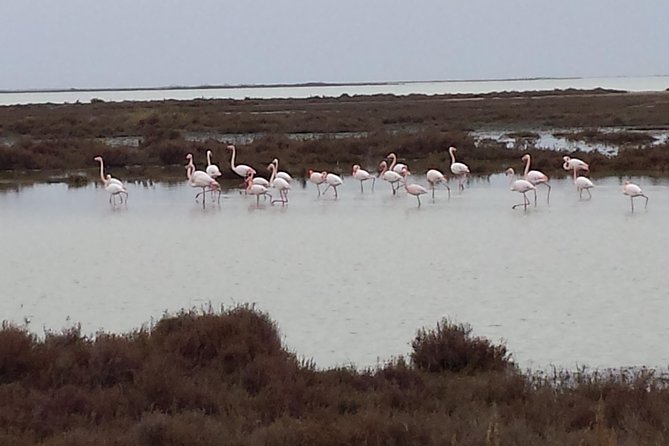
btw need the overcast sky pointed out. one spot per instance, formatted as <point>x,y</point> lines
<point>141,43</point>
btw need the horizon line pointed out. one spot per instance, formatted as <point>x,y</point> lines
<point>302,84</point>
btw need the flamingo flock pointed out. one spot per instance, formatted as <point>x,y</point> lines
<point>389,170</point>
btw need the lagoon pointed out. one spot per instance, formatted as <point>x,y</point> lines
<point>632,84</point>
<point>349,281</point>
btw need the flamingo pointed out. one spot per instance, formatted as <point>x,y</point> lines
<point>460,170</point>
<point>279,184</point>
<point>582,183</point>
<point>333,181</point>
<point>413,189</point>
<point>256,189</point>
<point>212,169</point>
<point>198,178</point>
<point>280,174</point>
<point>522,186</point>
<point>362,175</point>
<point>394,166</point>
<point>535,177</point>
<point>112,185</point>
<point>435,177</point>
<point>240,169</point>
<point>317,179</point>
<point>574,163</point>
<point>390,176</point>
<point>632,190</point>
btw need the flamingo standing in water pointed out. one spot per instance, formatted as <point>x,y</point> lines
<point>582,183</point>
<point>281,174</point>
<point>362,175</point>
<point>279,184</point>
<point>316,178</point>
<point>240,169</point>
<point>395,166</point>
<point>256,189</point>
<point>212,169</point>
<point>535,177</point>
<point>390,176</point>
<point>112,185</point>
<point>198,178</point>
<point>460,170</point>
<point>574,163</point>
<point>434,177</point>
<point>632,190</point>
<point>521,186</point>
<point>413,189</point>
<point>334,181</point>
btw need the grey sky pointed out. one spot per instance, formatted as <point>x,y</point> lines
<point>127,43</point>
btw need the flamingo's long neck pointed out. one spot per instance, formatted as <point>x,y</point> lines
<point>450,152</point>
<point>232,160</point>
<point>527,167</point>
<point>384,170</point>
<point>190,167</point>
<point>102,172</point>
<point>272,167</point>
<point>249,182</point>
<point>394,158</point>
<point>208,157</point>
<point>512,176</point>
<point>575,175</point>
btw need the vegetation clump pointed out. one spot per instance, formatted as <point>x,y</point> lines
<point>223,377</point>
<point>452,348</point>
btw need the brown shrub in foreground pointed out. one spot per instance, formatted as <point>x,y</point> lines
<point>209,378</point>
<point>451,348</point>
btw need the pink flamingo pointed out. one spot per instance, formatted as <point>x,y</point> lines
<point>413,189</point>
<point>198,178</point>
<point>279,184</point>
<point>535,177</point>
<point>582,184</point>
<point>362,175</point>
<point>240,169</point>
<point>281,174</point>
<point>334,181</point>
<point>317,179</point>
<point>435,177</point>
<point>521,186</point>
<point>460,170</point>
<point>212,169</point>
<point>395,166</point>
<point>574,163</point>
<point>632,190</point>
<point>112,185</point>
<point>255,189</point>
<point>390,176</point>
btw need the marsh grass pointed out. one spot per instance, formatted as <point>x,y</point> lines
<point>418,128</point>
<point>223,377</point>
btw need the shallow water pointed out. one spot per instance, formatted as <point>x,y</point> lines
<point>351,280</point>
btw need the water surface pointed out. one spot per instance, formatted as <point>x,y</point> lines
<point>351,280</point>
<point>633,84</point>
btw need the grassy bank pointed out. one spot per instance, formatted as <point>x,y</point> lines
<point>334,133</point>
<point>225,378</point>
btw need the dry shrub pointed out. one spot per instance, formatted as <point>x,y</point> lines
<point>17,353</point>
<point>451,348</point>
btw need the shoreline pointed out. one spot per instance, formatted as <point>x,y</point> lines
<point>299,84</point>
